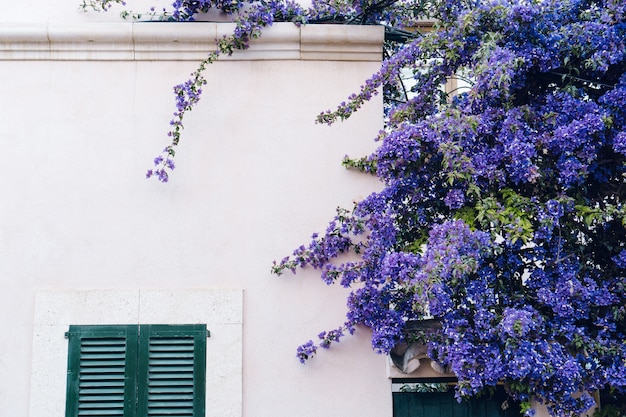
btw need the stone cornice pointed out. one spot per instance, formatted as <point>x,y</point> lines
<point>165,41</point>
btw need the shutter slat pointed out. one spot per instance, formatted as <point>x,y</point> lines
<point>93,379</point>
<point>102,401</point>
<point>186,388</point>
<point>171,341</point>
<point>101,381</point>
<point>102,341</point>
<point>171,369</point>
<point>99,390</point>
<point>103,369</point>
<point>172,383</point>
<point>101,413</point>
<point>172,397</point>
<point>172,348</point>
<point>171,376</point>
<point>173,359</point>
<point>181,353</point>
<point>163,403</point>
<point>102,346</point>
<point>100,361</point>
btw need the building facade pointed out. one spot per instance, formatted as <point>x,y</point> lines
<point>89,245</point>
<point>86,240</point>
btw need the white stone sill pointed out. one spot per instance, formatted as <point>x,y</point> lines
<point>173,41</point>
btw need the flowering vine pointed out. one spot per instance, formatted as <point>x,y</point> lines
<point>503,211</point>
<point>250,17</point>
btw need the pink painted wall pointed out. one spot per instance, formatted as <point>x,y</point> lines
<point>255,178</point>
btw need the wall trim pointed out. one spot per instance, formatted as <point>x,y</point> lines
<point>189,41</point>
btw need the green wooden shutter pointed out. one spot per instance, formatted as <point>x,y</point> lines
<point>136,371</point>
<point>172,370</point>
<point>101,377</point>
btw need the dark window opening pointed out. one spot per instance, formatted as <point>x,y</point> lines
<point>435,398</point>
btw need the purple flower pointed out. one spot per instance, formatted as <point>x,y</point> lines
<point>455,199</point>
<point>619,143</point>
<point>517,323</point>
<point>620,259</point>
<point>306,351</point>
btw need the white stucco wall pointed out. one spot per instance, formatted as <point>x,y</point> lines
<point>255,178</point>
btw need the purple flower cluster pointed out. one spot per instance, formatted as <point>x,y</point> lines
<point>250,18</point>
<point>503,214</point>
<point>306,351</point>
<point>162,163</point>
<point>518,323</point>
<point>185,10</point>
<point>455,199</point>
<point>338,239</point>
<point>331,336</point>
<point>390,68</point>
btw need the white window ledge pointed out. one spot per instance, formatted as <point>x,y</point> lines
<point>173,41</point>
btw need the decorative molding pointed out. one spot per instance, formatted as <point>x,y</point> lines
<point>191,41</point>
<point>342,42</point>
